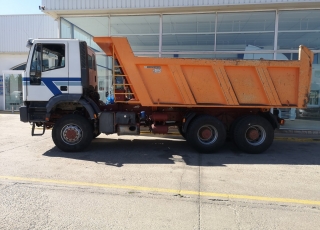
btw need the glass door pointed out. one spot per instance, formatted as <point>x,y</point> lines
<point>12,89</point>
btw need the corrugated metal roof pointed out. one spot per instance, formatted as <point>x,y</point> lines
<point>97,6</point>
<point>17,29</point>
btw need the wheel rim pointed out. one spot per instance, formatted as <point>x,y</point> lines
<point>71,134</point>
<point>207,134</point>
<point>255,135</point>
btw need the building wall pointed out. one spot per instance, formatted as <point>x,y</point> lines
<point>15,31</point>
<point>7,61</point>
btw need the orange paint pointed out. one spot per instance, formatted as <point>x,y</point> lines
<point>179,82</point>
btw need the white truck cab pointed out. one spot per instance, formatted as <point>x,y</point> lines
<point>50,70</point>
<point>60,75</point>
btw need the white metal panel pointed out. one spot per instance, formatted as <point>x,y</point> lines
<point>75,86</point>
<point>17,29</point>
<point>8,61</point>
<point>57,5</point>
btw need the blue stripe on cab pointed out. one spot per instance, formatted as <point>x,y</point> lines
<point>54,79</point>
<point>49,82</point>
<point>53,88</point>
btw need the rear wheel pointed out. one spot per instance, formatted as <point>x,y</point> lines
<point>183,134</point>
<point>206,134</point>
<point>72,133</point>
<point>253,134</point>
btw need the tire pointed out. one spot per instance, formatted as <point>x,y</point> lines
<point>183,134</point>
<point>206,134</point>
<point>261,132</point>
<point>79,130</point>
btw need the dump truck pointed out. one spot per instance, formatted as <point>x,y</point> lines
<point>207,100</point>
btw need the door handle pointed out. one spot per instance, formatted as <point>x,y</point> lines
<point>64,88</point>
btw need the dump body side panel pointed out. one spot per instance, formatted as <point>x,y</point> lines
<point>180,82</point>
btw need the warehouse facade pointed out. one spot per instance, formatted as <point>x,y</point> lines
<point>242,29</point>
<point>228,29</point>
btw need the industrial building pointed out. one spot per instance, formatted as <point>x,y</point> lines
<point>228,29</point>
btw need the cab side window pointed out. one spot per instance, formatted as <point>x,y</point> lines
<point>46,57</point>
<point>93,62</point>
<point>53,56</point>
<point>90,62</point>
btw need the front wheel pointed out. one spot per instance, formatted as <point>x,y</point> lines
<point>253,134</point>
<point>72,133</point>
<point>206,134</point>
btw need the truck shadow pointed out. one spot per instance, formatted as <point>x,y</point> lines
<point>113,152</point>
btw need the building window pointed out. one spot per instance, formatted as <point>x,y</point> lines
<point>142,32</point>
<point>299,28</point>
<point>193,32</point>
<point>314,97</point>
<point>65,29</point>
<point>237,31</point>
<point>85,28</point>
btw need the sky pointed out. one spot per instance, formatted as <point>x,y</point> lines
<point>8,7</point>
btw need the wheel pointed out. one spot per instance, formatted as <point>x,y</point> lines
<point>253,134</point>
<point>206,134</point>
<point>72,133</point>
<point>183,134</point>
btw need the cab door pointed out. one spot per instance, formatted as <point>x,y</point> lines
<point>48,71</point>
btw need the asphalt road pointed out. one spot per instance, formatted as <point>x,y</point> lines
<point>154,183</point>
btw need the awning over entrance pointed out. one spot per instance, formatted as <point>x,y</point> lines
<point>96,7</point>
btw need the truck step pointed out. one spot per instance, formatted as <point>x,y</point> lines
<point>37,134</point>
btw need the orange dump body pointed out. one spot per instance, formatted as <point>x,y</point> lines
<point>177,82</point>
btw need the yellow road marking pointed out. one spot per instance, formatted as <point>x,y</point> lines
<point>164,190</point>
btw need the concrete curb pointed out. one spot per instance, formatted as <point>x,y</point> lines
<point>9,112</point>
<point>297,139</point>
<point>298,131</point>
